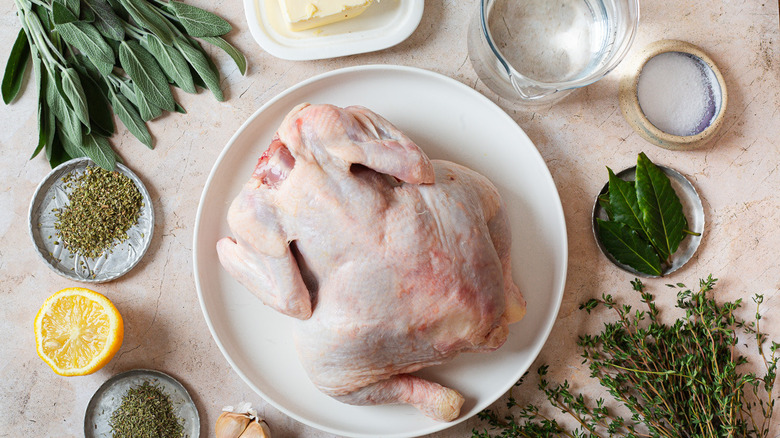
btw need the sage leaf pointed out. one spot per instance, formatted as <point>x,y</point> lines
<point>199,23</point>
<point>73,5</point>
<point>100,114</point>
<point>127,113</point>
<point>147,110</point>
<point>149,18</point>
<point>662,212</point>
<point>171,61</point>
<point>72,146</point>
<point>120,10</point>
<point>71,85</point>
<point>43,114</point>
<point>15,67</point>
<point>628,248</point>
<point>623,203</point>
<point>86,38</point>
<point>98,149</point>
<point>59,107</point>
<point>106,20</point>
<point>55,153</point>
<point>202,65</point>
<point>237,56</point>
<point>60,13</point>
<point>142,68</point>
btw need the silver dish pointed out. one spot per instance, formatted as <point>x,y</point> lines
<point>692,208</point>
<point>109,396</point>
<point>52,194</point>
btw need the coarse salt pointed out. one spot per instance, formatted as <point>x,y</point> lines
<point>678,93</point>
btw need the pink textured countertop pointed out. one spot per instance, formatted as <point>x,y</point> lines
<point>737,176</point>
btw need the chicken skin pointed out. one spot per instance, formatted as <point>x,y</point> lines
<point>389,261</point>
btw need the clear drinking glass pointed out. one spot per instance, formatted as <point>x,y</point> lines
<point>534,52</point>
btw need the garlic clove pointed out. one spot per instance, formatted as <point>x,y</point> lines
<point>231,425</point>
<point>256,429</point>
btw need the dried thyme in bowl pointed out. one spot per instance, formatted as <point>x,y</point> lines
<point>146,411</point>
<point>101,209</point>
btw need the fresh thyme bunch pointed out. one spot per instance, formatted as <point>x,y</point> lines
<point>94,58</point>
<point>678,380</point>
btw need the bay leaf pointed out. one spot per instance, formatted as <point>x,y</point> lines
<point>662,212</point>
<point>628,248</point>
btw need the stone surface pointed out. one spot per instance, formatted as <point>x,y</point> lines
<point>737,176</point>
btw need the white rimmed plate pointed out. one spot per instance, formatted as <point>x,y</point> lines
<point>450,121</point>
<point>384,24</point>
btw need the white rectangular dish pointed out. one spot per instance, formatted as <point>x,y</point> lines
<point>384,24</point>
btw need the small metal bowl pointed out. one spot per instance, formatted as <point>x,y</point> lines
<point>692,208</point>
<point>109,396</point>
<point>50,194</point>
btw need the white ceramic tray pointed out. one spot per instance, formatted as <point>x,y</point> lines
<point>448,120</point>
<point>384,24</point>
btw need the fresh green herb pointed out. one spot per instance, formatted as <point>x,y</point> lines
<point>680,380</point>
<point>146,411</point>
<point>92,57</point>
<point>646,220</point>
<point>100,210</point>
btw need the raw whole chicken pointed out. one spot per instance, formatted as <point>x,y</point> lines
<point>390,262</point>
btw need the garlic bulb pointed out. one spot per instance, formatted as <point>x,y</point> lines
<point>256,429</point>
<point>241,423</point>
<point>230,425</point>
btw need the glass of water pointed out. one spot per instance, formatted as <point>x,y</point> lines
<point>534,52</point>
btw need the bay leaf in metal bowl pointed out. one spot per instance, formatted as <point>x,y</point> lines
<point>692,209</point>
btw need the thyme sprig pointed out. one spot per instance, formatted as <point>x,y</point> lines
<point>685,379</point>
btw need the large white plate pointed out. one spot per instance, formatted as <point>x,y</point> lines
<point>448,120</point>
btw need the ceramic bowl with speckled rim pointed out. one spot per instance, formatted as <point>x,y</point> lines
<point>632,111</point>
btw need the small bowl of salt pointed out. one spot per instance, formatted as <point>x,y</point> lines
<point>675,96</point>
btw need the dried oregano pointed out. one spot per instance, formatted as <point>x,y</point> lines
<point>146,411</point>
<point>101,209</point>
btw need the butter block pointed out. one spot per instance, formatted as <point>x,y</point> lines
<point>307,14</point>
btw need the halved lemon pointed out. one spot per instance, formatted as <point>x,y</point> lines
<point>78,331</point>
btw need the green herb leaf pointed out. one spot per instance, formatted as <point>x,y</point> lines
<point>624,204</point>
<point>202,65</point>
<point>73,146</point>
<point>55,153</point>
<point>106,20</point>
<point>149,18</point>
<point>199,23</point>
<point>661,208</point>
<point>86,38</point>
<point>98,149</point>
<point>15,67</point>
<point>71,85</point>
<point>60,13</point>
<point>147,110</point>
<point>73,5</point>
<point>142,68</point>
<point>237,56</point>
<point>99,112</point>
<point>129,116</point>
<point>171,61</point>
<point>43,113</point>
<point>58,104</point>
<point>628,248</point>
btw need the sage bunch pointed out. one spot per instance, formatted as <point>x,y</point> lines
<point>680,380</point>
<point>95,58</point>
